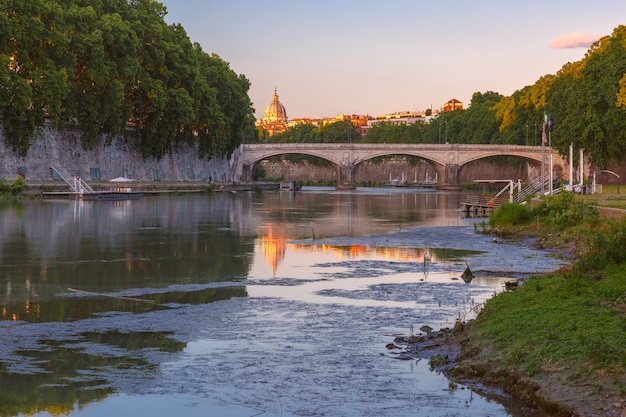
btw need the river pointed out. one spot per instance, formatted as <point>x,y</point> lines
<point>242,304</point>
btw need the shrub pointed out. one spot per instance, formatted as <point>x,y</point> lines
<point>259,173</point>
<point>605,248</point>
<point>18,186</point>
<point>563,211</point>
<point>510,214</point>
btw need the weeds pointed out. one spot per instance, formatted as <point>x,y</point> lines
<point>510,214</point>
<point>567,320</point>
<point>17,187</point>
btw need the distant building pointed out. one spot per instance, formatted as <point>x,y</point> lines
<point>398,118</point>
<point>275,117</point>
<point>452,105</point>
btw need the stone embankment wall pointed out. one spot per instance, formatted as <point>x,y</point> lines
<point>390,169</point>
<point>106,161</point>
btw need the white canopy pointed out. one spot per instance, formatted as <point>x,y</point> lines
<point>121,179</point>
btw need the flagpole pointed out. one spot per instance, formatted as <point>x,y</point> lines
<point>549,125</point>
<point>550,148</point>
<point>543,158</point>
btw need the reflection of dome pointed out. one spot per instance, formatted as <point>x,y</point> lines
<point>273,248</point>
<point>275,112</point>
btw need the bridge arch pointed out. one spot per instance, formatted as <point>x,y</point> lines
<point>249,165</point>
<point>437,165</point>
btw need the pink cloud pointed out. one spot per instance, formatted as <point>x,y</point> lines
<point>574,40</point>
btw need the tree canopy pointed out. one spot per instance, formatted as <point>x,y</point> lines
<point>116,68</point>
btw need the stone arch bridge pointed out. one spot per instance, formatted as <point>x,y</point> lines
<point>447,159</point>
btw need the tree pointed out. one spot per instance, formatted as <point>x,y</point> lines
<point>100,65</point>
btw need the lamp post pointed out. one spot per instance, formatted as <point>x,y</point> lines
<point>608,172</point>
<point>440,134</point>
<point>526,134</point>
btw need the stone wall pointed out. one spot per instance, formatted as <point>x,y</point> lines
<point>54,146</point>
<point>393,168</point>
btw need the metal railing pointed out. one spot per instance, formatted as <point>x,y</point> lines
<point>76,183</point>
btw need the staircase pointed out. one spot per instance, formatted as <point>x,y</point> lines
<point>76,184</point>
<point>532,188</point>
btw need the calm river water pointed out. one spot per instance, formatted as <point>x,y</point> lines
<point>241,304</point>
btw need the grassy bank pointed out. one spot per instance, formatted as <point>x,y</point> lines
<point>558,341</point>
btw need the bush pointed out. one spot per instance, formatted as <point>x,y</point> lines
<point>510,214</point>
<point>605,248</point>
<point>259,173</point>
<point>563,211</point>
<point>18,186</point>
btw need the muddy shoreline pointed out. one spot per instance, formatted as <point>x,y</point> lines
<point>464,360</point>
<point>444,349</point>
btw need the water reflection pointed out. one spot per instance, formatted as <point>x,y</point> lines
<point>104,247</point>
<point>58,376</point>
<point>97,296</point>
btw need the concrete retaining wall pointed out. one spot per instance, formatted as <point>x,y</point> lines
<point>396,168</point>
<point>54,146</point>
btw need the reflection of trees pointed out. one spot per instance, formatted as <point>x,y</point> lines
<point>101,247</point>
<point>352,214</point>
<point>82,307</point>
<point>66,375</point>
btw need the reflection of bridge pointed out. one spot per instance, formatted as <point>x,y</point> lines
<point>448,160</point>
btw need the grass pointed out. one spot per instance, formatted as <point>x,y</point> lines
<point>608,198</point>
<point>572,321</point>
<point>561,320</point>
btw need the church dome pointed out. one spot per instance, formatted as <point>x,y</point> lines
<point>275,112</point>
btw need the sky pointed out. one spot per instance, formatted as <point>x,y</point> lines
<point>331,57</point>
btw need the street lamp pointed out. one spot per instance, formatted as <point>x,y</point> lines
<point>608,172</point>
<point>526,134</point>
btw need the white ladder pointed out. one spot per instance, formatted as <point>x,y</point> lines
<point>76,184</point>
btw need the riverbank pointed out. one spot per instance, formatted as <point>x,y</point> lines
<point>59,188</point>
<point>557,342</point>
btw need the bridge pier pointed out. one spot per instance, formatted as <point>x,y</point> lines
<point>345,177</point>
<point>452,178</point>
<point>246,172</point>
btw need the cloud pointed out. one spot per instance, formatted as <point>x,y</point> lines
<point>574,40</point>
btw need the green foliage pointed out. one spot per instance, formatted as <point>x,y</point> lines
<point>17,187</point>
<point>259,173</point>
<point>100,65</point>
<point>563,211</point>
<point>604,248</point>
<point>510,214</point>
<point>337,132</point>
<point>559,320</point>
<point>385,132</point>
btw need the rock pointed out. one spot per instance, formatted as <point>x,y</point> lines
<point>426,329</point>
<point>458,327</point>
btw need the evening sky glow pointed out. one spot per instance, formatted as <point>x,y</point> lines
<point>369,57</point>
